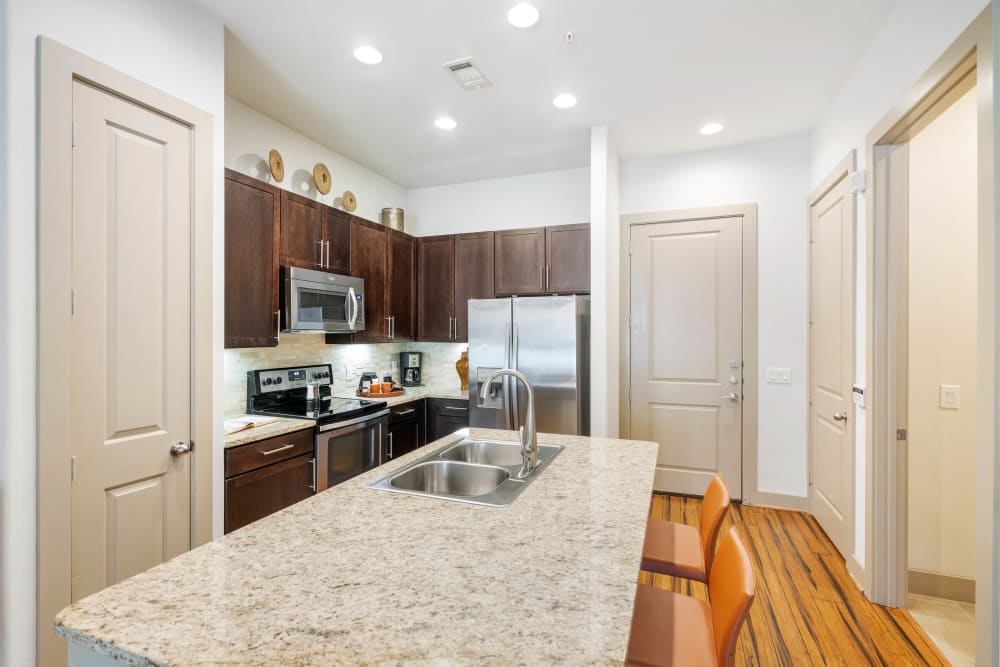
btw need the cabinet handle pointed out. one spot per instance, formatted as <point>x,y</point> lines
<point>388,324</point>
<point>451,407</point>
<point>319,264</point>
<point>276,450</point>
<point>277,325</point>
<point>449,328</point>
<point>392,321</point>
<point>390,444</point>
<point>313,487</point>
<point>327,254</point>
<point>406,412</point>
<point>548,283</point>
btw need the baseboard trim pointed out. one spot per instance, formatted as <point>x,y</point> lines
<point>780,501</point>
<point>944,586</point>
<point>857,572</point>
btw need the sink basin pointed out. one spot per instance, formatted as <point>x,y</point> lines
<point>494,452</point>
<point>450,478</point>
<point>468,470</point>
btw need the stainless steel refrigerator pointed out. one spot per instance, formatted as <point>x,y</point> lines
<point>548,339</point>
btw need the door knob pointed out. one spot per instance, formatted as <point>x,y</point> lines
<point>179,448</point>
<point>840,416</point>
<point>731,396</point>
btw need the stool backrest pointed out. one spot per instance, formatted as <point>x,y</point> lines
<point>731,590</point>
<point>713,511</point>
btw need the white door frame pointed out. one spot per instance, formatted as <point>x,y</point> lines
<point>748,213</point>
<point>968,62</point>
<point>840,173</point>
<point>59,67</point>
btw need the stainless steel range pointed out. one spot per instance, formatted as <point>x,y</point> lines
<point>350,432</point>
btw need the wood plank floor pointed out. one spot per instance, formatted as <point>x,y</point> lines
<point>808,610</point>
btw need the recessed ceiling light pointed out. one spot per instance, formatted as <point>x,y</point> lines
<point>711,128</point>
<point>446,123</point>
<point>564,101</point>
<point>523,15</point>
<point>369,55</point>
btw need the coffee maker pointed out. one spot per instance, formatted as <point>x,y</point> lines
<point>409,362</point>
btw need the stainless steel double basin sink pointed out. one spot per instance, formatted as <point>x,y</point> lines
<point>481,472</point>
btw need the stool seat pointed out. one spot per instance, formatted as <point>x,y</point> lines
<point>669,629</point>
<point>674,549</point>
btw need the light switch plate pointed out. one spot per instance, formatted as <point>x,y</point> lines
<point>779,375</point>
<point>858,393</point>
<point>950,396</point>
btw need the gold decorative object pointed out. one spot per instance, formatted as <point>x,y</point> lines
<point>393,217</point>
<point>462,367</point>
<point>277,165</point>
<point>321,177</point>
<point>350,201</point>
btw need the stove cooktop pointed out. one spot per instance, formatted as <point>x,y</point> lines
<point>330,409</point>
<point>281,392</point>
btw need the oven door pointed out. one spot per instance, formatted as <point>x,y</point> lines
<point>313,307</point>
<point>349,449</point>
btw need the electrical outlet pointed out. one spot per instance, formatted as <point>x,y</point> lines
<point>950,396</point>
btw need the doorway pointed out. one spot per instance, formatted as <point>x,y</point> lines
<point>125,448</point>
<point>690,299</point>
<point>913,380</point>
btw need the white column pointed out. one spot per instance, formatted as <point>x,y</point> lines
<point>605,284</point>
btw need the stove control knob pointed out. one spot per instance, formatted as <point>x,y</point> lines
<point>277,380</point>
<point>267,380</point>
<point>316,376</point>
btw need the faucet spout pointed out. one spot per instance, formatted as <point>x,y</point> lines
<point>528,435</point>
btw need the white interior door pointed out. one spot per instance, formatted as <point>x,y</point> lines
<point>686,380</point>
<point>130,396</point>
<point>830,362</point>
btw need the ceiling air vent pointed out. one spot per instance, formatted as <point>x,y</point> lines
<point>467,74</point>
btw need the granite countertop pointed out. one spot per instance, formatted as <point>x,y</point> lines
<point>359,576</point>
<point>282,426</point>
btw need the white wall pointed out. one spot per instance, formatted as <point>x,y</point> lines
<point>774,176</point>
<point>915,34</point>
<point>250,135</point>
<point>605,283</point>
<point>173,46</point>
<point>532,200</point>
<point>942,443</point>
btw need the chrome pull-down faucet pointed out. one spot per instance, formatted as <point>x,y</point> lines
<point>529,438</point>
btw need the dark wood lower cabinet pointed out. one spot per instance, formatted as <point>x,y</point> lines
<point>254,495</point>
<point>406,429</point>
<point>445,416</point>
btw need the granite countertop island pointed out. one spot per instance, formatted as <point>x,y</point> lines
<point>359,576</point>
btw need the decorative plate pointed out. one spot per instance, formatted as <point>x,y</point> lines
<point>350,201</point>
<point>277,165</point>
<point>321,177</point>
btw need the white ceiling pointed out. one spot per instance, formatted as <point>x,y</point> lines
<point>653,70</point>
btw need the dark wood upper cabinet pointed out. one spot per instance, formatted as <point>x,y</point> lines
<point>337,237</point>
<point>474,277</point>
<point>402,288</point>
<point>251,262</point>
<point>436,288</point>
<point>301,232</point>
<point>520,261</point>
<point>567,259</point>
<point>370,261</point>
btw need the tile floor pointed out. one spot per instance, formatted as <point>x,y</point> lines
<point>952,626</point>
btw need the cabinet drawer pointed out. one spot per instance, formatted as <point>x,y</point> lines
<point>412,410</point>
<point>264,491</point>
<point>265,452</point>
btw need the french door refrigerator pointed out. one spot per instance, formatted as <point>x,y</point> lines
<point>548,339</point>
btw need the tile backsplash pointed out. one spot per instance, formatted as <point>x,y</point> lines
<point>348,362</point>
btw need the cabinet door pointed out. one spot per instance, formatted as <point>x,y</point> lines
<point>473,277</point>
<point>251,263</point>
<point>402,287</point>
<point>301,232</point>
<point>436,288</point>
<point>403,438</point>
<point>520,261</point>
<point>369,261</point>
<point>567,259</point>
<point>264,491</point>
<point>337,237</point>
<point>445,416</point>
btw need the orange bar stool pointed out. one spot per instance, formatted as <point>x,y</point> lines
<point>670,629</point>
<point>684,551</point>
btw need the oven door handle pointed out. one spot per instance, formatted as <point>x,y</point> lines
<point>352,422</point>
<point>352,300</point>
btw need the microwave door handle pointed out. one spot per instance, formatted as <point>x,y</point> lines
<point>352,307</point>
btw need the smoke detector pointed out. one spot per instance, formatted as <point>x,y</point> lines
<point>468,75</point>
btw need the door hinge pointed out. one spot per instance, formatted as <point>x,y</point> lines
<point>901,434</point>
<point>72,135</point>
<point>72,302</point>
<point>72,468</point>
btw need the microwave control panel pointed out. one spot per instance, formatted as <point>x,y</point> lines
<point>283,379</point>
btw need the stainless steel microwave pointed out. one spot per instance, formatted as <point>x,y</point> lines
<point>321,302</point>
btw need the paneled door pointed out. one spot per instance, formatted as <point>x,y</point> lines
<point>686,380</point>
<point>130,378</point>
<point>831,228</point>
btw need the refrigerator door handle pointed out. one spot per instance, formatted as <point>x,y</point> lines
<point>507,409</point>
<point>515,390</point>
